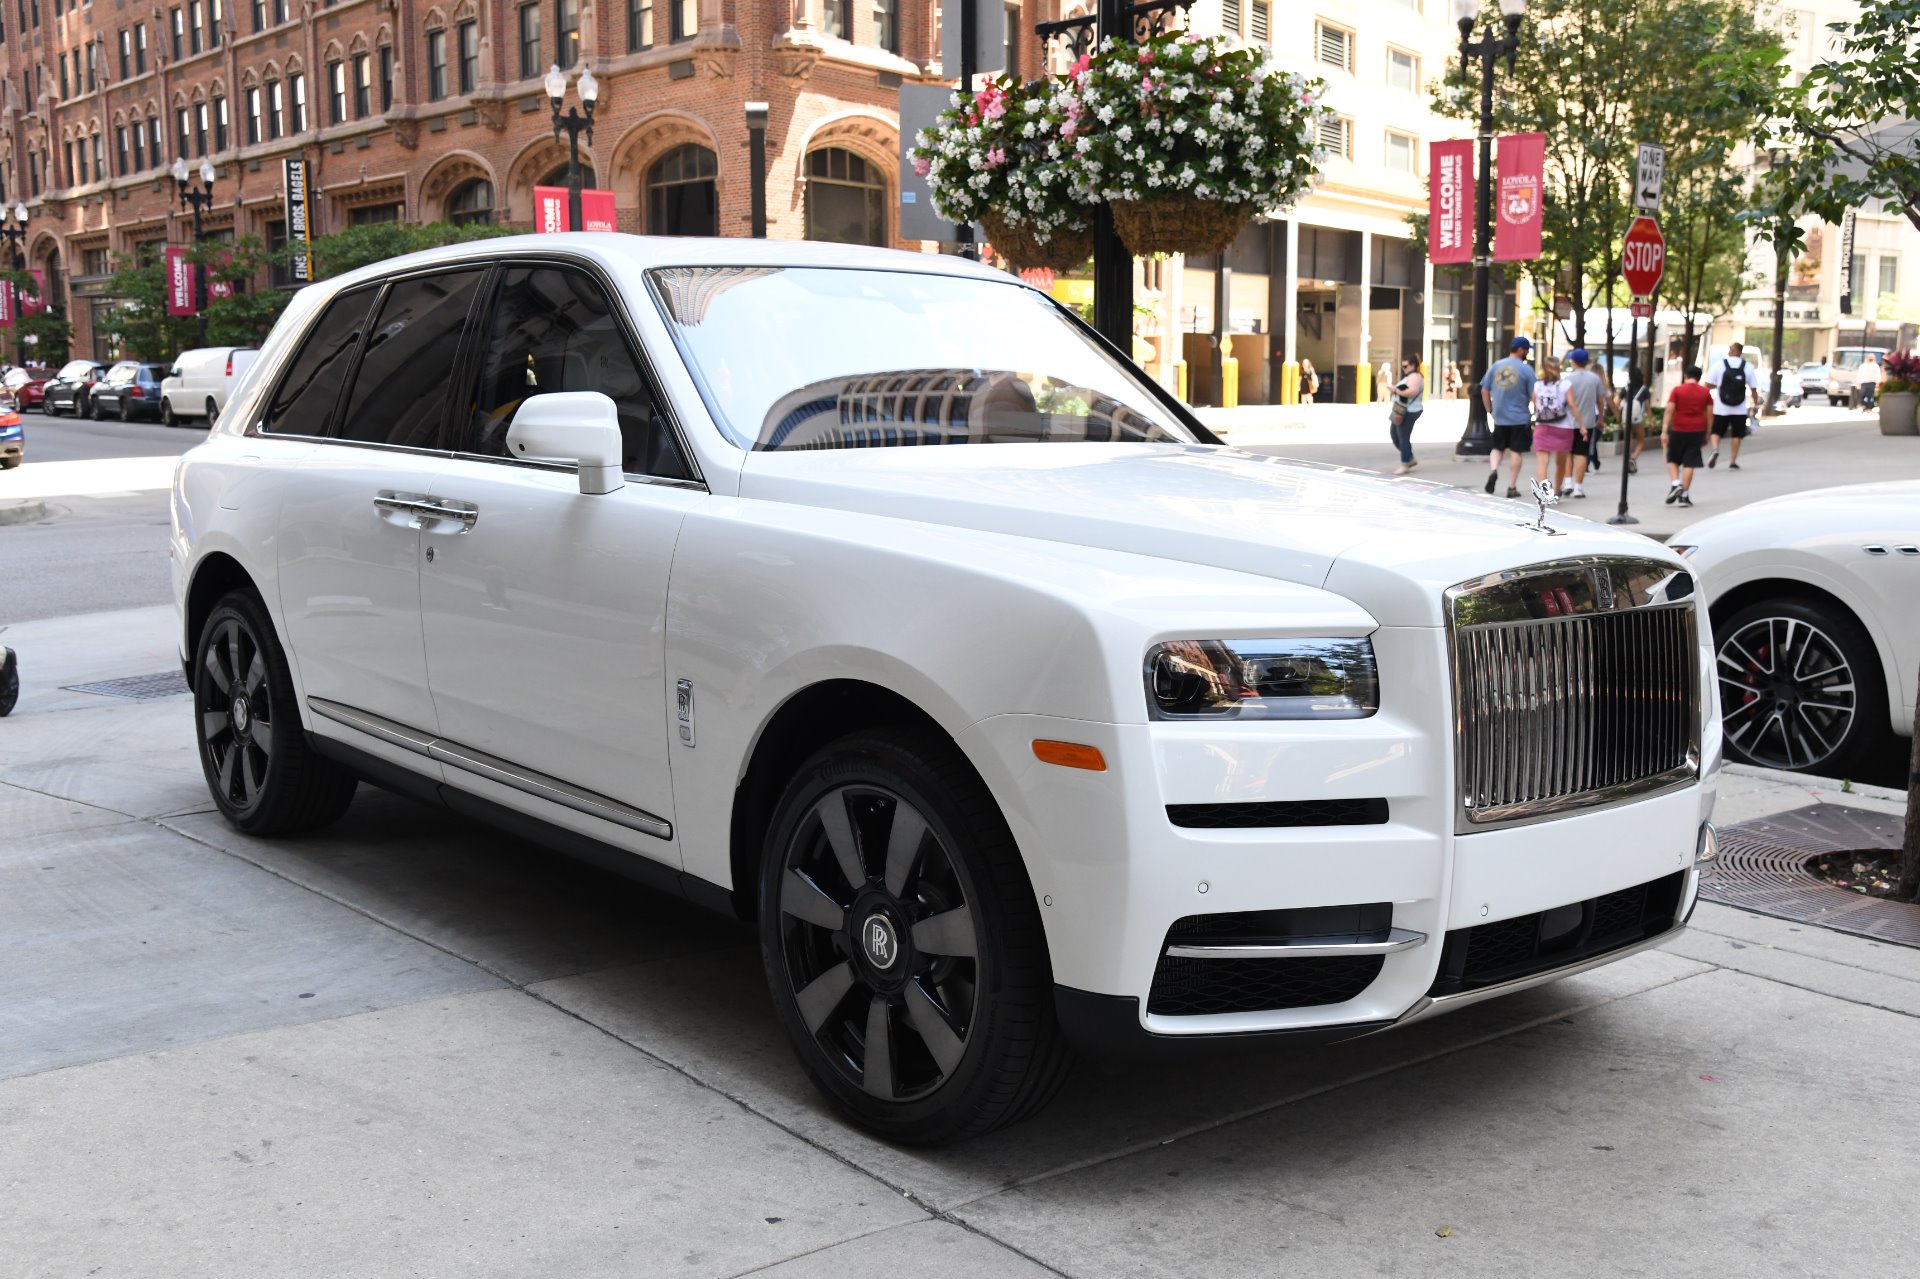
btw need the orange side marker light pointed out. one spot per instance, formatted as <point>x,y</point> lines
<point>1069,755</point>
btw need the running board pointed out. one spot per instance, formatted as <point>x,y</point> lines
<point>1397,939</point>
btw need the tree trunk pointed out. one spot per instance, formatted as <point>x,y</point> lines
<point>1909,887</point>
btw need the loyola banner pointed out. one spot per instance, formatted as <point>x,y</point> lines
<point>1516,232</point>
<point>550,210</point>
<point>179,281</point>
<point>1450,202</point>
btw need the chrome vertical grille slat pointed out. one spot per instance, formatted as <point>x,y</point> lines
<point>1575,685</point>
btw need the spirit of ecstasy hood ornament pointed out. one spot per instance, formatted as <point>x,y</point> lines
<point>1543,494</point>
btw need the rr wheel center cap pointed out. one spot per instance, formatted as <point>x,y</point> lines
<point>880,941</point>
<point>242,715</point>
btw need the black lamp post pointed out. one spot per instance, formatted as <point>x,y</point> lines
<point>757,157</point>
<point>1488,50</point>
<point>1777,160</point>
<point>15,232</point>
<point>574,124</point>
<point>197,200</point>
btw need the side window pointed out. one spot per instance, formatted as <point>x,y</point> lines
<point>552,329</point>
<point>303,402</point>
<point>400,391</point>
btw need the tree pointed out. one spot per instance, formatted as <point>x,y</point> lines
<point>48,330</point>
<point>145,330</point>
<point>360,246</point>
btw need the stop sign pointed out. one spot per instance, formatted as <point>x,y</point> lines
<point>1643,257</point>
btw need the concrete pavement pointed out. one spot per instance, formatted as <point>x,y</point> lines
<point>410,1045</point>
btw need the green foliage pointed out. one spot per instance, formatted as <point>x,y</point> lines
<point>360,246</point>
<point>147,332</point>
<point>53,336</point>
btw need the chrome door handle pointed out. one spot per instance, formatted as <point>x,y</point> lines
<point>464,514</point>
<point>399,508</point>
<point>420,510</point>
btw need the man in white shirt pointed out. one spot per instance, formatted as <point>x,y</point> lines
<point>1736,393</point>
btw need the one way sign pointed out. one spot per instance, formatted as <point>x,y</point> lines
<point>1652,170</point>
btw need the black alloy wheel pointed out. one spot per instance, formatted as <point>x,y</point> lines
<point>903,945</point>
<point>261,771</point>
<point>1800,688</point>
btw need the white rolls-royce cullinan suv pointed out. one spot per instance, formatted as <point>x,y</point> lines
<point>871,596</point>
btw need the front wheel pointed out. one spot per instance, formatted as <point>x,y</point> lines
<point>1800,688</point>
<point>213,412</point>
<point>166,414</point>
<point>126,410</point>
<point>903,945</point>
<point>263,775</point>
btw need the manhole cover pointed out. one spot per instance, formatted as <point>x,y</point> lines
<point>1762,868</point>
<point>139,688</point>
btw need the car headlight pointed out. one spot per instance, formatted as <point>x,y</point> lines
<point>1262,679</point>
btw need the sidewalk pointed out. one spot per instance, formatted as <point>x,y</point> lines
<point>409,1045</point>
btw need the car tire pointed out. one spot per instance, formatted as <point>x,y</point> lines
<point>213,412</point>
<point>1801,688</point>
<point>93,409</point>
<point>265,783</point>
<point>167,417</point>
<point>8,463</point>
<point>970,1041</point>
<point>126,410</point>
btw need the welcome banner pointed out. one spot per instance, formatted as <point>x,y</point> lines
<point>1450,202</point>
<point>1518,199</point>
<point>179,281</point>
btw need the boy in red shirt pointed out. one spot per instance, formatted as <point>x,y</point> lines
<point>1689,414</point>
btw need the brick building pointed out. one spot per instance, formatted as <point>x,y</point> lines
<point>423,109</point>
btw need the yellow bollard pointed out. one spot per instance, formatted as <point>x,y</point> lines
<point>1290,382</point>
<point>1229,383</point>
<point>1363,384</point>
<point>1180,381</point>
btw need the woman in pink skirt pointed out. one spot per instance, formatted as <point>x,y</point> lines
<point>1552,432</point>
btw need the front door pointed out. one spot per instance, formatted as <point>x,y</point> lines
<point>544,618</point>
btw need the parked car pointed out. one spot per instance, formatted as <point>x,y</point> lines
<point>28,385</point>
<point>1079,729</point>
<point>1844,365</point>
<point>130,390</point>
<point>200,381</point>
<point>70,388</point>
<point>1815,602</point>
<point>1813,378</point>
<point>13,439</point>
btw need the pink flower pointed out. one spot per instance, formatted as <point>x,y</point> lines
<point>1146,55</point>
<point>995,157</point>
<point>1068,129</point>
<point>1146,82</point>
<point>1081,67</point>
<point>920,166</point>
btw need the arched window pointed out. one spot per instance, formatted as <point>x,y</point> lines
<point>557,177</point>
<point>471,202</point>
<point>846,198</point>
<point>681,196</point>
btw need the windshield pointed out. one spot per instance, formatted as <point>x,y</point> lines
<point>822,357</point>
<point>1854,357</point>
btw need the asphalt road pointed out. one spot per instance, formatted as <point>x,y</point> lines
<point>95,552</point>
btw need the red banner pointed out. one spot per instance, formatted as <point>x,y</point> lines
<point>1518,197</point>
<point>6,304</point>
<point>1450,202</point>
<point>179,281</point>
<point>219,289</point>
<point>550,210</point>
<point>35,302</point>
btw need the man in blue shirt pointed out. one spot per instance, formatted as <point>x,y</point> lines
<point>1507,390</point>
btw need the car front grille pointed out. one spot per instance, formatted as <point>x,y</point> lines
<point>1194,987</point>
<point>1512,949</point>
<point>1576,685</point>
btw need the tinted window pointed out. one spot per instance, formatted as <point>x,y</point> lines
<point>400,391</point>
<point>552,329</point>
<point>303,402</point>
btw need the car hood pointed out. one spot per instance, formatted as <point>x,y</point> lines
<point>1391,545</point>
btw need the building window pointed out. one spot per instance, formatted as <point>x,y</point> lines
<point>196,27</point>
<point>529,15</point>
<point>66,84</point>
<point>155,155</point>
<point>1333,46</point>
<point>362,86</point>
<point>839,19</point>
<point>682,198</point>
<point>1336,136</point>
<point>686,18</point>
<point>886,25</point>
<point>567,30</point>
<point>139,135</point>
<point>846,199</point>
<point>336,92</point>
<point>216,14</point>
<point>95,262</point>
<point>122,153</point>
<point>182,132</point>
<point>1889,275</point>
<point>220,123</point>
<point>1403,70</point>
<point>253,116</point>
<point>373,214</point>
<point>468,35</point>
<point>436,65</point>
<point>276,108</point>
<point>179,27</point>
<point>386,77</point>
<point>33,167</point>
<point>297,103</point>
<point>1403,152</point>
<point>74,176</point>
<point>1230,17</point>
<point>140,48</point>
<point>1262,29</point>
<point>471,203</point>
<point>200,128</point>
<point>99,159</point>
<point>639,27</point>
<point>126,54</point>
<point>279,273</point>
<point>259,15</point>
<point>1011,50</point>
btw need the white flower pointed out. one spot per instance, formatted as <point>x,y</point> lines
<point>1180,125</point>
<point>1124,133</point>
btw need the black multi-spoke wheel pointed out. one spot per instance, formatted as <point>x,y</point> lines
<point>903,943</point>
<point>259,767</point>
<point>1799,687</point>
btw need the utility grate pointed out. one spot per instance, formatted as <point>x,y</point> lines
<point>1762,868</point>
<point>138,688</point>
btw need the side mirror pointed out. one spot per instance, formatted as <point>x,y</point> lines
<point>577,427</point>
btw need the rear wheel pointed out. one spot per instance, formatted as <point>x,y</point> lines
<point>263,775</point>
<point>93,408</point>
<point>213,411</point>
<point>126,410</point>
<point>1800,688</point>
<point>166,413</point>
<point>903,945</point>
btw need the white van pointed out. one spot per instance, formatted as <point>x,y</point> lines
<point>1846,362</point>
<point>198,383</point>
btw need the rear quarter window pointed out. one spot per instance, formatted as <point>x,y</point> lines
<point>302,404</point>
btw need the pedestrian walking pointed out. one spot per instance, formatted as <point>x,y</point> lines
<point>1450,382</point>
<point>1507,392</point>
<point>1735,395</point>
<point>1552,430</point>
<point>1589,401</point>
<point>1868,381</point>
<point>1409,402</point>
<point>1309,382</point>
<point>1690,413</point>
<point>1639,400</point>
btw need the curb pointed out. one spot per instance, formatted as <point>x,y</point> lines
<point>1808,782</point>
<point>23,510</point>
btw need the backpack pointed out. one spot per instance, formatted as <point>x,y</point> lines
<point>1550,402</point>
<point>1733,382</point>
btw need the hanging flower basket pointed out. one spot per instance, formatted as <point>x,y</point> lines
<point>1179,225</point>
<point>1067,249</point>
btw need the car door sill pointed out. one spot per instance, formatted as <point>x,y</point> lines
<point>493,768</point>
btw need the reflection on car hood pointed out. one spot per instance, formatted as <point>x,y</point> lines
<point>1391,545</point>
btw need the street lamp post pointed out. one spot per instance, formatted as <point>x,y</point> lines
<point>197,200</point>
<point>15,232</point>
<point>574,124</point>
<point>1488,50</point>
<point>1777,160</point>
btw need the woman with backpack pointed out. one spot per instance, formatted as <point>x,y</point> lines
<point>1552,433</point>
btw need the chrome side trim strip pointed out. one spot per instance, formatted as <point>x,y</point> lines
<point>1397,939</point>
<point>1431,1005</point>
<point>495,769</point>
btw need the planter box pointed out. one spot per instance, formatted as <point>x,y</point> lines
<point>1897,413</point>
